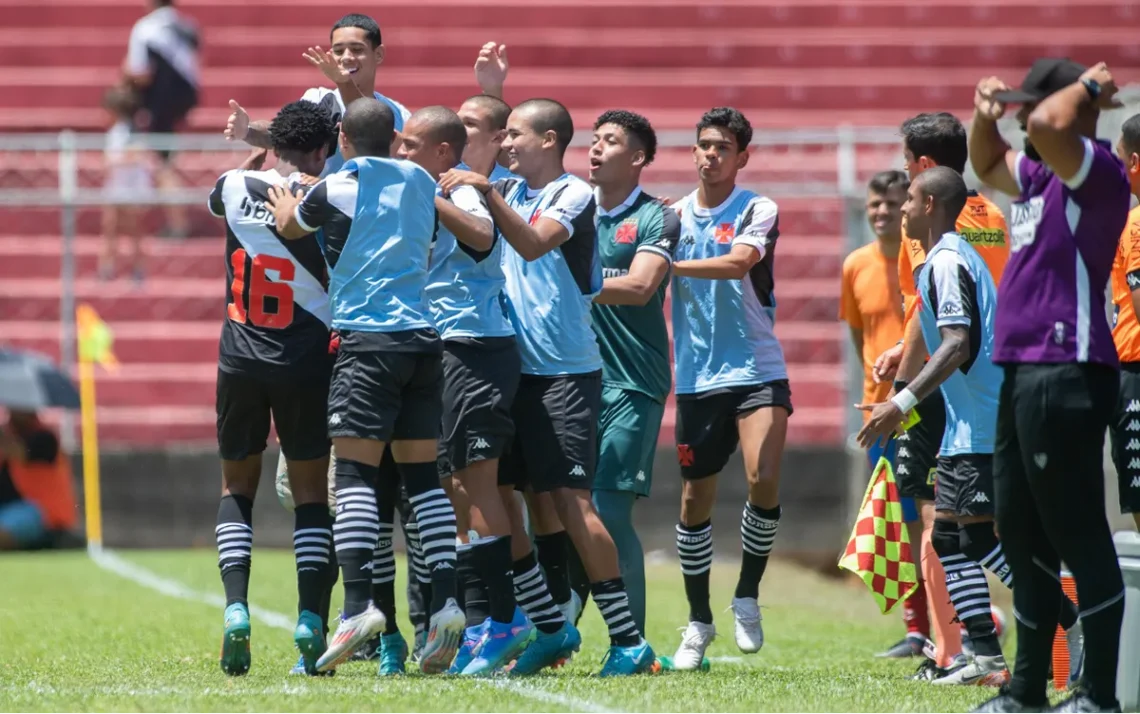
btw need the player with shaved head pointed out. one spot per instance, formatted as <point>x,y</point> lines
<point>480,378</point>
<point>553,272</point>
<point>958,299</point>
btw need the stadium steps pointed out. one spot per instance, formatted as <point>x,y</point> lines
<point>561,46</point>
<point>598,13</point>
<point>839,88</point>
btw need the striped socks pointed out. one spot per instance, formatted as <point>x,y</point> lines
<point>356,531</point>
<point>695,551</point>
<point>757,534</point>
<point>534,597</point>
<point>613,603</point>
<point>312,551</point>
<point>234,534</point>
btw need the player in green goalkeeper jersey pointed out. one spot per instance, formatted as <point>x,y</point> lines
<point>637,235</point>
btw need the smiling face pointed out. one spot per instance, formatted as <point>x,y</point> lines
<point>355,54</point>
<point>917,210</point>
<point>884,211</point>
<point>524,146</point>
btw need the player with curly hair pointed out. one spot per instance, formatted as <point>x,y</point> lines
<point>637,235</point>
<point>274,362</point>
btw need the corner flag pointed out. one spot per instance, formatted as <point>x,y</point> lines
<point>879,549</point>
<point>95,341</point>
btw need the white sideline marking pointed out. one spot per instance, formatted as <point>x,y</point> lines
<point>113,563</point>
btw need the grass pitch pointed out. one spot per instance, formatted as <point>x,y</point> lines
<point>75,635</point>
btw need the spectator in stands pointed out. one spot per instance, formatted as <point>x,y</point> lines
<point>162,64</point>
<point>128,182</point>
<point>36,496</point>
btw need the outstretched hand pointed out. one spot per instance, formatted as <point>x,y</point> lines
<point>491,68</point>
<point>886,420</point>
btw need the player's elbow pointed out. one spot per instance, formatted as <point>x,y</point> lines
<point>482,238</point>
<point>1044,125</point>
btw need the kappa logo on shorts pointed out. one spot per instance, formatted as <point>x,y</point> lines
<point>1133,406</point>
<point>640,476</point>
<point>980,497</point>
<point>1133,445</point>
<point>684,454</point>
<point>1134,463</point>
<point>334,420</point>
<point>1136,482</point>
<point>481,443</point>
<point>1133,425</point>
<point>904,453</point>
<point>578,471</point>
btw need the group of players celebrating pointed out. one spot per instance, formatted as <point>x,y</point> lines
<point>461,330</point>
<point>500,328</point>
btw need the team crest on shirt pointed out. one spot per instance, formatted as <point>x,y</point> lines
<point>725,232</point>
<point>627,231</point>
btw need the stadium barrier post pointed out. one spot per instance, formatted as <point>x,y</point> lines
<point>68,185</point>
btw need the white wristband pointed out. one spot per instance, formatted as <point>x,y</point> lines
<point>905,401</point>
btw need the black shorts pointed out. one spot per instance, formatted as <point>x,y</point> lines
<point>1124,430</point>
<point>706,430</point>
<point>965,485</point>
<point>245,402</point>
<point>385,396</point>
<point>916,460</point>
<point>556,433</point>
<point>480,379</point>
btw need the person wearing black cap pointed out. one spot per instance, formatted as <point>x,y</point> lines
<point>1061,370</point>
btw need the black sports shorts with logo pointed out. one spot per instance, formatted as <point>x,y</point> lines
<point>916,459</point>
<point>556,433</point>
<point>387,386</point>
<point>965,485</point>
<point>706,431</point>
<point>1124,432</point>
<point>480,381</point>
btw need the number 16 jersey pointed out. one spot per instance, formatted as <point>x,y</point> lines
<point>277,302</point>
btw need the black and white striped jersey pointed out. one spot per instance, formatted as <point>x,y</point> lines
<point>277,302</point>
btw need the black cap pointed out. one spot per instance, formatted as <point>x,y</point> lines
<point>1046,76</point>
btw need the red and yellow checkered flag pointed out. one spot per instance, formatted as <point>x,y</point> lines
<point>879,549</point>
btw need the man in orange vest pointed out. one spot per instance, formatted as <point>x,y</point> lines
<point>36,494</point>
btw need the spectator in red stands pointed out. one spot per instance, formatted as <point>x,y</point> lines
<point>36,495</point>
<point>128,182</point>
<point>162,64</point>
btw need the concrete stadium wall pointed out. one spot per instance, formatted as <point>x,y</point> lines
<point>168,499</point>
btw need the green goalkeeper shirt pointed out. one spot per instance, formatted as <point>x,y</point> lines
<point>633,338</point>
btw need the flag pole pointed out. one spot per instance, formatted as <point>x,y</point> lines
<point>92,498</point>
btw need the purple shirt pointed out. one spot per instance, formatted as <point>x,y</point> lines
<point>1051,302</point>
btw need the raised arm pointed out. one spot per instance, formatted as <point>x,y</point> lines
<point>1052,124</point>
<point>993,161</point>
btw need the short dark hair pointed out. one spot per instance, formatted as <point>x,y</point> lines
<point>361,22</point>
<point>946,186</point>
<point>445,126</point>
<point>941,137</point>
<point>635,126</point>
<point>498,110</point>
<point>369,125</point>
<point>549,115</point>
<point>1130,134</point>
<point>886,180</point>
<point>301,126</point>
<point>728,118</point>
<point>122,100</point>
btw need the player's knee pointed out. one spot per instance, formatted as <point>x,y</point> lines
<point>945,539</point>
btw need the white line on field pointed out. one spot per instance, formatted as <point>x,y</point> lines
<point>113,563</point>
